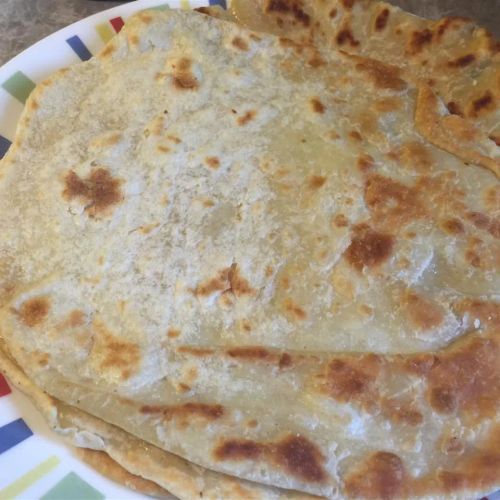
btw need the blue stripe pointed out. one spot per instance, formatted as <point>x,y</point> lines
<point>78,46</point>
<point>222,3</point>
<point>4,146</point>
<point>13,433</point>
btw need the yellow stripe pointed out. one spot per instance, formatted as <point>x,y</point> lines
<point>26,480</point>
<point>105,32</point>
<point>185,5</point>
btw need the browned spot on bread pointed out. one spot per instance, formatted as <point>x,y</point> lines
<point>452,226</point>
<point>254,352</point>
<point>100,191</point>
<point>173,333</point>
<point>174,139</point>
<point>252,423</point>
<point>239,449</point>
<point>133,39</point>
<point>183,78</point>
<point>41,358</point>
<point>450,22</point>
<point>108,50</point>
<point>485,222</point>
<point>34,311</point>
<point>294,454</point>
<point>163,149</point>
<point>340,220</point>
<point>285,360</point>
<point>443,399</point>
<point>293,310</point>
<point>388,104</point>
<point>332,13</point>
<point>348,4</point>
<point>401,412</point>
<point>186,410</point>
<point>383,76</point>
<point>317,105</point>
<point>418,40</point>
<point>485,102</point>
<point>415,156</point>
<point>238,285</point>
<point>392,204</point>
<point>346,36</point>
<point>368,248</point>
<point>300,458</point>
<point>218,283</point>
<point>381,19</point>
<point>454,108</point>
<point>239,43</point>
<point>291,7</point>
<point>316,181</point>
<point>117,354</point>
<point>462,61</point>
<point>350,379</point>
<point>365,162</point>
<point>495,139</point>
<point>269,271</point>
<point>195,351</point>
<point>145,17</point>
<point>247,117</point>
<point>33,104</point>
<point>355,135</point>
<point>423,313</point>
<point>204,10</point>
<point>316,61</point>
<point>382,475</point>
<point>213,162</point>
<point>488,313</point>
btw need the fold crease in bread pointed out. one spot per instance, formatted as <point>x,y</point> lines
<point>251,267</point>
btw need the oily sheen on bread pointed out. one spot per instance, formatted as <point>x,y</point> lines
<point>247,252</point>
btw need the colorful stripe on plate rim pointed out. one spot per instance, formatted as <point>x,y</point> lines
<point>19,86</point>
<point>13,433</point>
<point>74,487</point>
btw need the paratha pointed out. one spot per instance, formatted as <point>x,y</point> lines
<point>259,261</point>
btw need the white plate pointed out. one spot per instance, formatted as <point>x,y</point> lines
<point>34,462</point>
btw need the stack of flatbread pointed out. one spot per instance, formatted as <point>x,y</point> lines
<point>254,254</point>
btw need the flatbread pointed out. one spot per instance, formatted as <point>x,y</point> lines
<point>258,262</point>
<point>457,58</point>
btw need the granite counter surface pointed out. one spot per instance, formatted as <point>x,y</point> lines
<point>24,22</point>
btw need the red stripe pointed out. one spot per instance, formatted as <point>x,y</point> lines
<point>117,23</point>
<point>4,387</point>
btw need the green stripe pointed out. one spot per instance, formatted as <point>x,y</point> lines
<point>105,32</point>
<point>163,6</point>
<point>26,480</point>
<point>72,487</point>
<point>19,86</point>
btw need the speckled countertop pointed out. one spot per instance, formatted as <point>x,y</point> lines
<point>23,22</point>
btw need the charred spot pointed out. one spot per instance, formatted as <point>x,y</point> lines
<point>294,310</point>
<point>316,61</point>
<point>383,75</point>
<point>247,117</point>
<point>400,412</point>
<point>382,475</point>
<point>239,43</point>
<point>482,103</point>
<point>355,135</point>
<point>485,222</point>
<point>454,108</point>
<point>443,399</point>
<point>345,36</point>
<point>369,248</point>
<point>34,311</point>
<point>99,190</point>
<point>173,333</point>
<point>452,226</point>
<point>449,22</point>
<point>381,20</point>
<point>418,40</point>
<point>348,4</point>
<point>300,458</point>
<point>423,313</point>
<point>285,360</point>
<point>204,10</point>
<point>348,379</point>
<point>195,351</point>
<point>495,139</point>
<point>238,285</point>
<point>213,162</point>
<point>239,449</point>
<point>186,410</point>
<point>183,78</point>
<point>291,7</point>
<point>340,220</point>
<point>219,283</point>
<point>317,105</point>
<point>462,61</point>
<point>332,13</point>
<point>365,162</point>
<point>316,181</point>
<point>249,352</point>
